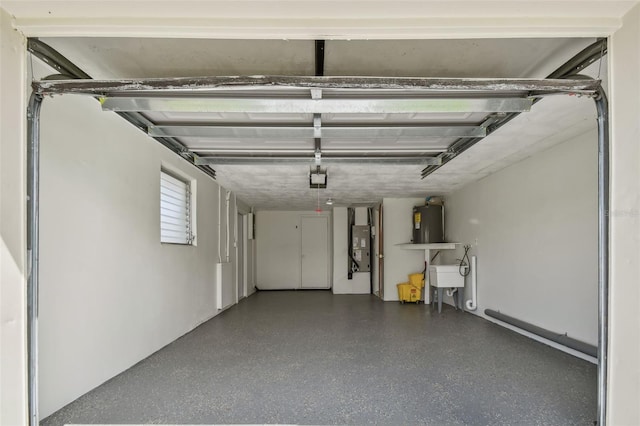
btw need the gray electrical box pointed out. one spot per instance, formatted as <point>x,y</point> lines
<point>428,224</point>
<point>360,250</point>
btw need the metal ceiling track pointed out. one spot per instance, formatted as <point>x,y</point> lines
<point>69,70</point>
<point>569,69</point>
<point>202,87</point>
<point>499,98</point>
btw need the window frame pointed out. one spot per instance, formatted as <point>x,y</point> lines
<point>189,206</point>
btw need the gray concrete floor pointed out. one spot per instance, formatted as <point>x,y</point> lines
<point>310,357</point>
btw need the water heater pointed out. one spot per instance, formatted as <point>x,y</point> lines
<point>428,224</point>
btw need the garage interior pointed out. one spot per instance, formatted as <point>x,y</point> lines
<point>113,317</point>
<point>259,221</point>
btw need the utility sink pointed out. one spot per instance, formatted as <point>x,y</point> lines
<point>446,276</point>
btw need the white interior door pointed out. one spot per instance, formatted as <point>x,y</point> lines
<point>314,252</point>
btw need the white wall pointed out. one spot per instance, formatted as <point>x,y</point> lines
<point>624,350</point>
<point>111,294</point>
<point>397,229</point>
<point>360,282</point>
<point>13,359</point>
<point>533,227</point>
<point>251,266</point>
<point>278,242</point>
<point>341,283</point>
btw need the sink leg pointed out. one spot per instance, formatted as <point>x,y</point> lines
<point>440,291</point>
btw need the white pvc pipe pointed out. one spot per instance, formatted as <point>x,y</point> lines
<point>472,303</point>
<point>219,224</point>
<point>228,202</point>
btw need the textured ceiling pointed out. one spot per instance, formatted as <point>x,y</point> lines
<point>273,186</point>
<point>550,122</point>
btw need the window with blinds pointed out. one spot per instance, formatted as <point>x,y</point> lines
<point>175,210</point>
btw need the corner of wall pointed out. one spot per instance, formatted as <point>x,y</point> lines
<point>397,229</point>
<point>13,305</point>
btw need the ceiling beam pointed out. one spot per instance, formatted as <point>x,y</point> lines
<point>319,45</point>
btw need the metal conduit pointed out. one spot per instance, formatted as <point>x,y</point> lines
<point>33,250</point>
<point>602,106</point>
<point>563,339</point>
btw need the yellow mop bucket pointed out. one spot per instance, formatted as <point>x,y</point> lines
<point>417,279</point>
<point>408,292</point>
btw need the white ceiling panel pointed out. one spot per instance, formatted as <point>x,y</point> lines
<point>167,117</point>
<point>201,144</point>
<point>280,118</point>
<point>422,117</point>
<point>431,143</point>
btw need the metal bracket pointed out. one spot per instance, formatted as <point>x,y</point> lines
<point>317,126</point>
<point>318,152</point>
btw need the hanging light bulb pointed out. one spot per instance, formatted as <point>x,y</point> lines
<point>330,201</point>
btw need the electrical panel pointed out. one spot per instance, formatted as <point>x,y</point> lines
<point>360,247</point>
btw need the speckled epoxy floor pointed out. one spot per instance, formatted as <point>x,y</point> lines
<point>310,357</point>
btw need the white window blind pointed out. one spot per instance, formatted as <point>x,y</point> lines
<point>175,214</point>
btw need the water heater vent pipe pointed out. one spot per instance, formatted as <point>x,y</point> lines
<point>472,304</point>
